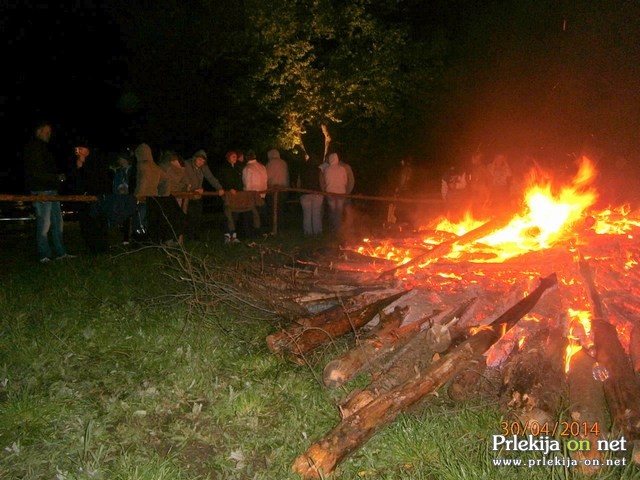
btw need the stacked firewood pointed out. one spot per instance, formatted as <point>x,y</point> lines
<point>490,332</point>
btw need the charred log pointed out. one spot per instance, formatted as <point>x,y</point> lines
<point>412,357</point>
<point>534,379</point>
<point>352,432</point>
<point>447,246</point>
<point>621,386</point>
<point>324,327</point>
<point>587,406</point>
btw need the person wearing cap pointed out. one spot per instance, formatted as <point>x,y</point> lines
<point>195,172</point>
<point>88,176</point>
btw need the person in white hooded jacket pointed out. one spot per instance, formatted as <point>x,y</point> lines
<point>335,179</point>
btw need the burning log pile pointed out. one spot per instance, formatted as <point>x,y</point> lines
<point>539,311</point>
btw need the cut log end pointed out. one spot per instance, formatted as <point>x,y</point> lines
<point>316,462</point>
<point>332,376</point>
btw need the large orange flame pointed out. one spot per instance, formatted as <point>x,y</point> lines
<point>545,217</point>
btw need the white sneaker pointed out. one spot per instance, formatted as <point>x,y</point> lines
<point>227,238</point>
<point>45,260</point>
<point>234,238</point>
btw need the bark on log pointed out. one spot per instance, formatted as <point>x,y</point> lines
<point>534,379</point>
<point>412,357</point>
<point>351,433</point>
<point>342,369</point>
<point>476,381</point>
<point>621,386</point>
<point>324,327</point>
<point>446,247</point>
<point>587,406</point>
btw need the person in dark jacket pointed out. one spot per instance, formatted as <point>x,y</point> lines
<point>43,178</point>
<point>124,183</point>
<point>230,177</point>
<point>89,176</point>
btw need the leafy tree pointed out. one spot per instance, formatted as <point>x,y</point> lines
<point>318,63</point>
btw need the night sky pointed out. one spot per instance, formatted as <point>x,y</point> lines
<point>545,78</point>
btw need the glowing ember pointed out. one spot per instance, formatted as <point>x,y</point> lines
<point>579,331</point>
<point>615,221</point>
<point>521,341</point>
<point>572,349</point>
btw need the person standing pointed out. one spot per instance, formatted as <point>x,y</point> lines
<point>335,179</point>
<point>148,175</point>
<point>42,178</point>
<point>480,185</point>
<point>167,221</point>
<point>500,181</point>
<point>277,177</point>
<point>311,203</point>
<point>124,183</point>
<point>348,216</point>
<point>195,172</point>
<point>124,176</point>
<point>173,179</point>
<point>255,179</point>
<point>230,176</point>
<point>87,176</point>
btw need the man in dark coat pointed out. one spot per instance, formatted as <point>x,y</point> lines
<point>42,178</point>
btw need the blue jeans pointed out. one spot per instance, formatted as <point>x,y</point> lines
<point>48,218</point>
<point>311,213</point>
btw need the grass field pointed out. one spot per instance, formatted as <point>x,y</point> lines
<point>106,373</point>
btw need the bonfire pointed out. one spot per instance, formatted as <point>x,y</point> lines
<point>537,307</point>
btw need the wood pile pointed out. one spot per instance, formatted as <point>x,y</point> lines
<point>496,330</point>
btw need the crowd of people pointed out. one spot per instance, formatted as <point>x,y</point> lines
<point>481,188</point>
<point>162,201</point>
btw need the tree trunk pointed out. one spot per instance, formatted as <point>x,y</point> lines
<point>352,432</point>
